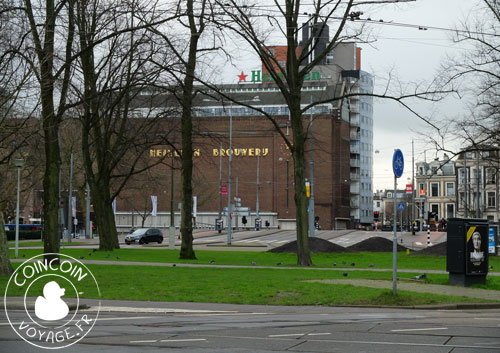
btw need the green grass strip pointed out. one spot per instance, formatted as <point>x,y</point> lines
<point>246,258</point>
<point>250,286</point>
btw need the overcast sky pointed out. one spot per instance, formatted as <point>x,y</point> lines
<point>409,55</point>
<point>413,55</point>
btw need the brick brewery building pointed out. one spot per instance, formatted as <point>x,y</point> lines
<point>342,150</point>
<point>259,148</point>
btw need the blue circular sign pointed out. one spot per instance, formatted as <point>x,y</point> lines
<point>398,163</point>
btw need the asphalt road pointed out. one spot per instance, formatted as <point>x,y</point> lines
<point>192,327</point>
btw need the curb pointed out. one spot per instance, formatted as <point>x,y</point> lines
<point>458,306</point>
<point>18,305</point>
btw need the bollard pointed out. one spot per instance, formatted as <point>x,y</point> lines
<point>428,236</point>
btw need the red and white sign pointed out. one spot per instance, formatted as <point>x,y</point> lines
<point>223,189</point>
<point>409,188</point>
<point>422,192</point>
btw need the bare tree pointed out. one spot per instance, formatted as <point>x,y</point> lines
<point>50,34</point>
<point>259,26</point>
<point>476,75</point>
<point>193,18</point>
<point>117,83</point>
<point>16,107</point>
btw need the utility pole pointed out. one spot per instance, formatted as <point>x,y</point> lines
<point>413,184</point>
<point>88,230</point>
<point>466,193</point>
<point>70,198</point>
<point>258,186</point>
<point>220,183</point>
<point>237,203</point>
<point>171,228</point>
<point>229,201</point>
<point>311,175</point>
<point>478,198</point>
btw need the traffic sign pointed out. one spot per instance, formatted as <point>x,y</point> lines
<point>401,206</point>
<point>398,163</point>
<point>409,188</point>
<point>223,189</point>
<point>422,192</point>
<point>238,211</point>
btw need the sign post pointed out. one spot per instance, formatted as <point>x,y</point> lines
<point>398,165</point>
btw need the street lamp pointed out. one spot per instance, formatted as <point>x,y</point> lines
<point>229,203</point>
<point>18,163</point>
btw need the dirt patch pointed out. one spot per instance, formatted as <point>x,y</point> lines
<point>315,245</point>
<point>375,244</point>
<point>438,249</point>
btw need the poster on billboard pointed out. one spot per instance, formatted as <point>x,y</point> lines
<point>492,239</point>
<point>477,249</point>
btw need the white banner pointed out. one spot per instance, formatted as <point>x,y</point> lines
<point>114,206</point>
<point>195,201</point>
<point>153,200</point>
<point>73,206</point>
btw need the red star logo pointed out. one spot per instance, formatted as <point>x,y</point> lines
<point>242,76</point>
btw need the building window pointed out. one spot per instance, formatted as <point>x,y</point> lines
<point>477,175</point>
<point>378,203</point>
<point>435,209</point>
<point>491,176</point>
<point>491,199</point>
<point>450,189</point>
<point>434,189</point>
<point>421,186</point>
<point>389,195</point>
<point>271,51</point>
<point>281,63</point>
<point>450,210</point>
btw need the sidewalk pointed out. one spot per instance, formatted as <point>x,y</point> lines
<point>419,288</point>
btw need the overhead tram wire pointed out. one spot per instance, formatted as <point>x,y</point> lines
<point>368,20</point>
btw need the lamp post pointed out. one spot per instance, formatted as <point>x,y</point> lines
<point>18,163</point>
<point>229,183</point>
<point>311,176</point>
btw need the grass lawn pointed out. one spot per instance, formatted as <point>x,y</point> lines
<point>12,244</point>
<point>249,286</point>
<point>245,258</point>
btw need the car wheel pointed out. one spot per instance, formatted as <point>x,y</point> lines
<point>160,241</point>
<point>141,241</point>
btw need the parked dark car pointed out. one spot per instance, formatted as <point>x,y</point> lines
<point>144,236</point>
<point>387,228</point>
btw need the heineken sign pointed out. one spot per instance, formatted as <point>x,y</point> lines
<point>257,76</point>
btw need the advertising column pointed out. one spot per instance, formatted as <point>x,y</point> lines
<point>477,250</point>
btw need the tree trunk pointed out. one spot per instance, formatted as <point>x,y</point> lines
<point>5,266</point>
<point>51,231</point>
<point>303,253</point>
<point>105,218</point>
<point>187,251</point>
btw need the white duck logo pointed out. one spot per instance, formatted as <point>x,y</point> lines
<point>50,306</point>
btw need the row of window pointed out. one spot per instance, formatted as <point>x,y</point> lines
<point>366,186</point>
<point>491,176</point>
<point>435,192</point>
<point>366,120</point>
<point>245,111</point>
<point>450,210</point>
<point>491,199</point>
<point>366,106</point>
